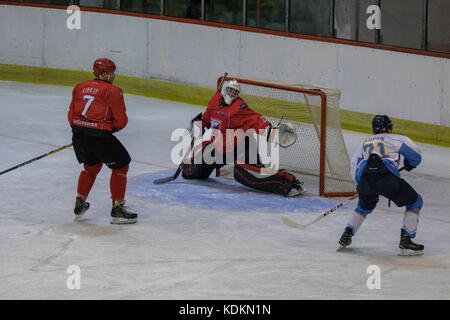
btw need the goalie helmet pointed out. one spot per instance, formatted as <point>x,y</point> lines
<point>103,65</point>
<point>381,124</point>
<point>230,91</point>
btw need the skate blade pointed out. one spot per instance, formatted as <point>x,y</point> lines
<point>122,221</point>
<point>296,193</point>
<point>340,248</point>
<point>83,211</point>
<point>79,216</point>
<point>407,253</point>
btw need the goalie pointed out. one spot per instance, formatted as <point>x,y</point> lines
<point>226,110</point>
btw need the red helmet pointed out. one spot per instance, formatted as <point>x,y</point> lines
<point>103,65</point>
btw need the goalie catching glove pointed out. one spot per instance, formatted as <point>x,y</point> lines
<point>287,135</point>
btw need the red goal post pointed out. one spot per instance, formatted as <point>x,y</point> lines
<point>320,149</point>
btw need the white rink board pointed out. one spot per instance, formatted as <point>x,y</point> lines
<point>21,34</point>
<point>406,86</point>
<point>121,38</point>
<point>445,110</point>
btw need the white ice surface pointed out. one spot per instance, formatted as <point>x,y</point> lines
<point>176,252</point>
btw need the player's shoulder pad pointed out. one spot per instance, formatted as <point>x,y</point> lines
<point>214,98</point>
<point>401,138</point>
<point>240,102</point>
<point>83,83</point>
<point>116,90</point>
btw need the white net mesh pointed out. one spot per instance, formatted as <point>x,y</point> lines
<point>297,105</point>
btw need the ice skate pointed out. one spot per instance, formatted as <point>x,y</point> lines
<point>297,189</point>
<point>81,206</point>
<point>346,239</point>
<point>408,247</point>
<point>121,215</point>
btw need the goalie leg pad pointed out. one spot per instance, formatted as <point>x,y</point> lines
<point>279,183</point>
<point>191,170</point>
<point>197,171</point>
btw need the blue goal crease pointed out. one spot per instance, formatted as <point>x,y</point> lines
<point>221,194</point>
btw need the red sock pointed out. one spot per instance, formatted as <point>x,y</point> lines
<point>118,183</point>
<point>87,178</point>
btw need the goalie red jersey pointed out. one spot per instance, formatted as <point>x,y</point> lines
<point>235,116</point>
<point>97,104</point>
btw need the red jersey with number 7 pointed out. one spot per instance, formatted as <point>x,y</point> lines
<point>97,104</point>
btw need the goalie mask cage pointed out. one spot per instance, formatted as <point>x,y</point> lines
<point>320,149</point>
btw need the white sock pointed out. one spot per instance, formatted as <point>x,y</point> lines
<point>356,221</point>
<point>410,221</point>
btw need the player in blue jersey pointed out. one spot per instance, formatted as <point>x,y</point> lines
<point>374,167</point>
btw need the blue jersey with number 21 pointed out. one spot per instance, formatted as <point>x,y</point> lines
<point>389,147</point>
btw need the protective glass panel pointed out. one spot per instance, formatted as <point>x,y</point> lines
<point>351,20</point>
<point>402,23</point>
<point>268,14</point>
<point>224,11</point>
<point>314,17</point>
<point>146,6</point>
<point>60,2</point>
<point>363,32</point>
<point>438,36</point>
<point>346,19</point>
<point>194,9</point>
<point>178,8</point>
<point>92,3</point>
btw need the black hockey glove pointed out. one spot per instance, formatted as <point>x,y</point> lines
<point>407,166</point>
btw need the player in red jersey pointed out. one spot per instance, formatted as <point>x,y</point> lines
<point>97,111</point>
<point>226,110</point>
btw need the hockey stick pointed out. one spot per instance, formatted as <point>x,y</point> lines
<point>178,171</point>
<point>37,158</point>
<point>296,225</point>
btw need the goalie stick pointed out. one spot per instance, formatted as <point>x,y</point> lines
<point>177,173</point>
<point>296,225</point>
<point>180,166</point>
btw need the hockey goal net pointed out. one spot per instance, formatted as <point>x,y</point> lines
<point>319,156</point>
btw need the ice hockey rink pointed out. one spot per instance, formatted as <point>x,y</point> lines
<point>211,239</point>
